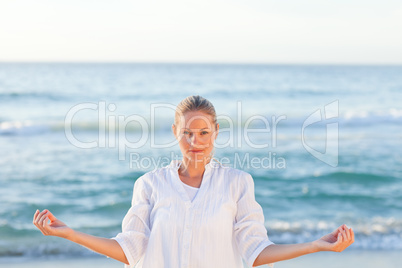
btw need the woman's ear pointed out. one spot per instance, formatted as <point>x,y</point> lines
<point>217,130</point>
<point>174,130</point>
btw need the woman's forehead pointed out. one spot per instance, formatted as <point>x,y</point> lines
<point>196,120</point>
<point>196,129</point>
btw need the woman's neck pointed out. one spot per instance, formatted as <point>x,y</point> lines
<point>192,169</point>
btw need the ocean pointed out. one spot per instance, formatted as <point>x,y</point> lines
<point>322,142</point>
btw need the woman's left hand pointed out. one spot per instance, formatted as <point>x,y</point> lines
<point>337,241</point>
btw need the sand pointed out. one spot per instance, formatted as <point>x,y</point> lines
<point>346,259</point>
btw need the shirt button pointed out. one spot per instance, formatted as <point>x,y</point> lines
<point>186,246</point>
<point>188,227</point>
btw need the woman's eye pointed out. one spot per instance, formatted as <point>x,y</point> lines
<point>204,132</point>
<point>186,132</point>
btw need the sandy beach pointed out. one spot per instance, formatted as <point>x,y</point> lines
<point>347,259</point>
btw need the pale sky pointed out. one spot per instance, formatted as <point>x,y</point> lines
<point>222,31</point>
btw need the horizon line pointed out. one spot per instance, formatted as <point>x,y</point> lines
<point>197,63</point>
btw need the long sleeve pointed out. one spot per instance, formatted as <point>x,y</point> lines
<point>136,224</point>
<point>250,232</point>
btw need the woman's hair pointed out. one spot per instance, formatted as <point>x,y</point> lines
<point>194,103</point>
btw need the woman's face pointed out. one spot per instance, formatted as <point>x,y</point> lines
<point>196,133</point>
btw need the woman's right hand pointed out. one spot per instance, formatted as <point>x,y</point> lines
<point>48,224</point>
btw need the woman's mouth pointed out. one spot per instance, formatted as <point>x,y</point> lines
<point>196,151</point>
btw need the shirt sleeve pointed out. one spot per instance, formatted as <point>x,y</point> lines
<point>250,232</point>
<point>136,224</point>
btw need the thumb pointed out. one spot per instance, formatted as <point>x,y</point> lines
<point>51,216</point>
<point>336,231</point>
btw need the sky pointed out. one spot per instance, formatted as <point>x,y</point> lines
<point>217,31</point>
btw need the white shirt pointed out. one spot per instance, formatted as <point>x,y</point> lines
<point>191,191</point>
<point>222,225</point>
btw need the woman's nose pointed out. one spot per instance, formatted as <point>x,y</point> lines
<point>193,139</point>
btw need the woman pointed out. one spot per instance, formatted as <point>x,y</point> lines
<point>194,212</point>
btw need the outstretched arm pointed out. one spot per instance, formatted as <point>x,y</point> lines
<point>337,241</point>
<point>48,224</point>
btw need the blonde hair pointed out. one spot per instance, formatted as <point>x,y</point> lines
<point>195,103</point>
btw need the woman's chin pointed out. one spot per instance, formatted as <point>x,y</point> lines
<point>197,157</point>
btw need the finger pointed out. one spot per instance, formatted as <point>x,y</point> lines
<point>45,222</point>
<point>336,231</point>
<point>35,216</point>
<point>38,217</point>
<point>42,218</point>
<point>344,235</point>
<point>348,236</point>
<point>340,237</point>
<point>40,227</point>
<point>339,231</point>
<point>352,235</point>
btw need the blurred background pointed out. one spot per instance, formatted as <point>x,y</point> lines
<point>254,58</point>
